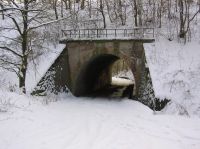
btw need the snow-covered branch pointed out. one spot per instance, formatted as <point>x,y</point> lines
<point>10,50</point>
<point>47,23</point>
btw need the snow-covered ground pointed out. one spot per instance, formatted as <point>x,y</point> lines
<point>175,73</point>
<point>82,123</point>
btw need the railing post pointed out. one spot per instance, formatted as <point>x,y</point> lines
<point>79,33</point>
<point>106,33</point>
<point>125,32</point>
<point>97,33</point>
<point>62,33</point>
<point>153,32</point>
<point>143,33</point>
<point>88,33</point>
<point>115,33</point>
<point>70,33</point>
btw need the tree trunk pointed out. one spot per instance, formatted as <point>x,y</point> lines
<point>69,4</point>
<point>82,4</point>
<point>1,6</point>
<point>24,58</point>
<point>22,75</point>
<point>61,11</point>
<point>66,4</point>
<point>182,22</point>
<point>108,9</point>
<point>154,13</point>
<point>160,13</point>
<point>135,13</point>
<point>120,12</point>
<point>55,8</point>
<point>102,12</point>
<point>169,9</point>
<point>140,5</point>
<point>90,8</point>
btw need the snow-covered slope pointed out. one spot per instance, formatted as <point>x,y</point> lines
<point>81,123</point>
<point>175,72</point>
<point>44,62</point>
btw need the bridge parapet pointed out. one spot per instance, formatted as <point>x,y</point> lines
<point>95,34</point>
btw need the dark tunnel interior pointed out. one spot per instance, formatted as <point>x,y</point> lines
<point>95,74</point>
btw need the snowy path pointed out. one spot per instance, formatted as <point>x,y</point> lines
<point>95,124</point>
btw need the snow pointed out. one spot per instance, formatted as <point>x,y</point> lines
<point>121,81</point>
<point>86,123</point>
<point>175,69</point>
<point>127,74</point>
<point>44,63</point>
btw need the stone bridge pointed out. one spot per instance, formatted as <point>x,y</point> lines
<point>85,64</point>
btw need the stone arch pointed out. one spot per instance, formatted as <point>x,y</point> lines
<point>95,74</point>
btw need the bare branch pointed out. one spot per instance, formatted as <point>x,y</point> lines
<point>10,63</point>
<point>7,28</point>
<point>14,3</point>
<point>15,22</point>
<point>47,23</point>
<point>10,69</point>
<point>193,16</point>
<point>10,50</point>
<point>13,39</point>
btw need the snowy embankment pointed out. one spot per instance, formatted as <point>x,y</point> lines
<point>81,123</point>
<point>44,62</point>
<point>175,72</point>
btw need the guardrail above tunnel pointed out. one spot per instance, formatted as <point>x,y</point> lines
<point>109,34</point>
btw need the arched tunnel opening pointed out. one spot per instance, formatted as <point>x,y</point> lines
<point>99,77</point>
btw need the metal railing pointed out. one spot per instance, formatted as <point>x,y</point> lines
<point>135,33</point>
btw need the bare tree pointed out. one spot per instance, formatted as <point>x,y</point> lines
<point>185,19</point>
<point>137,7</point>
<point>135,12</point>
<point>82,4</point>
<point>24,17</point>
<point>1,6</point>
<point>122,13</point>
<point>101,9</point>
